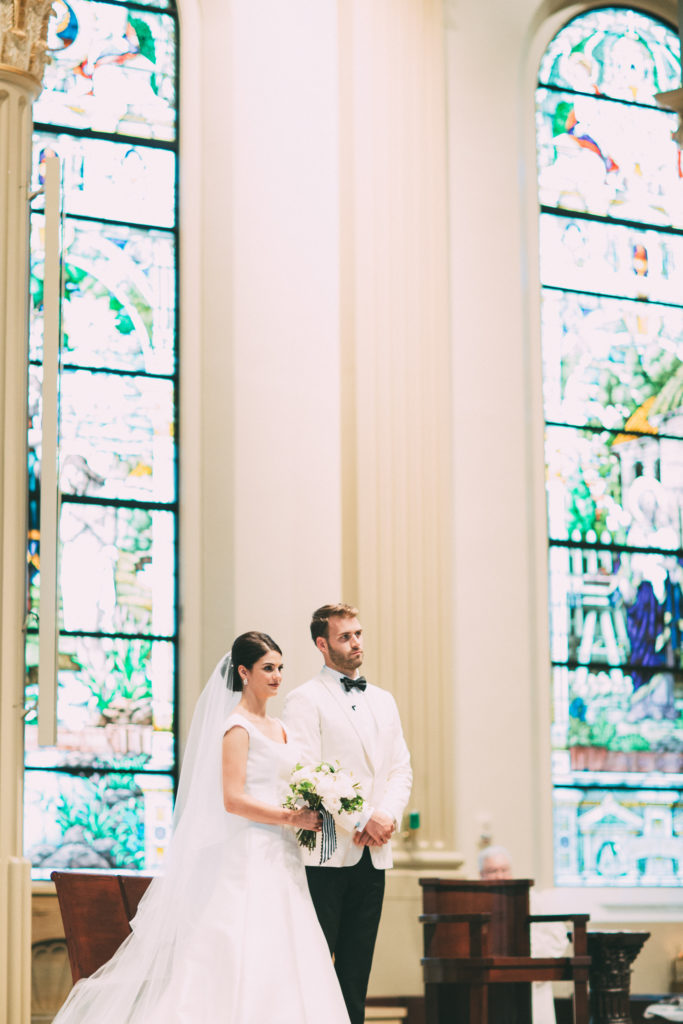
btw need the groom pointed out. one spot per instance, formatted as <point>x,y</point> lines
<point>337,716</point>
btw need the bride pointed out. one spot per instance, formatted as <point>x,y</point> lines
<point>228,934</point>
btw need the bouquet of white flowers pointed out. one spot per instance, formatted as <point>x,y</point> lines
<point>329,789</point>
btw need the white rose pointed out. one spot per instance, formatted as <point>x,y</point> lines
<point>325,787</point>
<point>327,791</point>
<point>345,788</point>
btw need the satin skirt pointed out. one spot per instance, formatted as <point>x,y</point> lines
<point>257,954</point>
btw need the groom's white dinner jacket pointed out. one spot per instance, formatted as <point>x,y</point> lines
<point>322,722</point>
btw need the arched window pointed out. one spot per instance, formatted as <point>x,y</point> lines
<point>102,798</point>
<point>611,245</point>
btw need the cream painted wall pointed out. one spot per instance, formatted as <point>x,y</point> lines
<point>263,535</point>
<point>286,318</point>
<point>260,397</point>
<point>502,703</point>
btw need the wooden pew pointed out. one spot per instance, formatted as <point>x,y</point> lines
<point>477,963</point>
<point>96,909</point>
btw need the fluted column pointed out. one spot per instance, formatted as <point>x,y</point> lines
<point>23,30</point>
<point>396,412</point>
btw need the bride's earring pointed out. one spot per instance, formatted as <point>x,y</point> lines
<point>244,680</point>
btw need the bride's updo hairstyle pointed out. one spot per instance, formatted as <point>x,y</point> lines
<point>246,651</point>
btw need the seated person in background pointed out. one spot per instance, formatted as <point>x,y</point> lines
<point>549,939</point>
<point>494,862</point>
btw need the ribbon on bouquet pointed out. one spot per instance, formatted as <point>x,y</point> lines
<point>328,835</point>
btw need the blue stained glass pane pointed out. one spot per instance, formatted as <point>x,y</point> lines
<point>111,180</point>
<point>119,293</point>
<point>622,608</point>
<point>112,70</point>
<point>613,363</point>
<point>594,256</point>
<point>116,435</point>
<point>614,52</point>
<point>608,159</point>
<point>114,705</point>
<point>105,821</point>
<point>618,837</point>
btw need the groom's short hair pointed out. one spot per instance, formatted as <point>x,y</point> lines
<point>320,620</point>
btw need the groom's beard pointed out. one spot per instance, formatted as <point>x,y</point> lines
<point>347,664</point>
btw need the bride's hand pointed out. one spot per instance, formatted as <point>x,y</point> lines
<point>306,819</point>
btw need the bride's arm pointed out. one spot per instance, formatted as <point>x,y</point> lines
<point>236,801</point>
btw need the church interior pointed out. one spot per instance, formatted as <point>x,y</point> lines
<point>363,406</point>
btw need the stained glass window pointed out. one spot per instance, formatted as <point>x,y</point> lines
<point>611,248</point>
<point>103,796</point>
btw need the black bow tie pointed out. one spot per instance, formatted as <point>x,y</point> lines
<point>353,684</point>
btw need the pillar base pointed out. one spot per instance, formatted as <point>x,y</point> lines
<point>15,941</point>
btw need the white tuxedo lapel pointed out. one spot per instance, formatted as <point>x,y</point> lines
<point>374,702</point>
<point>365,740</point>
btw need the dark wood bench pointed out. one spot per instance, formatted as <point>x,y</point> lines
<point>477,964</point>
<point>96,908</point>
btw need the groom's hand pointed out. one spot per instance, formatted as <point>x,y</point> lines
<point>378,830</point>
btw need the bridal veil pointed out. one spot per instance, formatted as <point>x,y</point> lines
<point>129,988</point>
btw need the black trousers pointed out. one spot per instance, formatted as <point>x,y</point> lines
<point>348,902</point>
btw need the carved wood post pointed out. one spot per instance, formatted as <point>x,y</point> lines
<point>612,954</point>
<point>23,35</point>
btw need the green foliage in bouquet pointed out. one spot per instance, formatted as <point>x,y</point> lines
<point>321,786</point>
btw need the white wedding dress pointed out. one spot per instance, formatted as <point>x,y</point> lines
<point>229,935</point>
<point>257,954</point>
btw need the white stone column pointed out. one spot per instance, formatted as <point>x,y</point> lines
<point>396,402</point>
<point>23,28</point>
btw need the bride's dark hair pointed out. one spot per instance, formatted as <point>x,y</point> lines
<point>246,651</point>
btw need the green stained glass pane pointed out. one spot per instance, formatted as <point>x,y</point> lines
<point>119,294</point>
<point>104,821</point>
<point>114,705</point>
<point>613,363</point>
<point>110,180</point>
<point>592,256</point>
<point>116,435</point>
<point>612,330</point>
<point>604,730</point>
<point>102,797</point>
<point>618,837</point>
<point>614,487</point>
<point>112,70</point>
<point>614,52</point>
<point>116,570</point>
<point>608,159</point>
